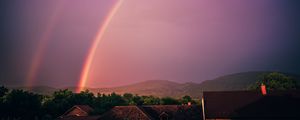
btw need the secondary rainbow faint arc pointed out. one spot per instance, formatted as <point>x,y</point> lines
<point>96,41</point>
<point>45,37</point>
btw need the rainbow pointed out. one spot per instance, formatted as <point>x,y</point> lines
<point>91,53</point>
<point>45,37</point>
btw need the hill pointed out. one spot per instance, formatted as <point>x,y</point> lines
<point>232,82</point>
<point>45,90</point>
<point>158,88</point>
<point>163,88</point>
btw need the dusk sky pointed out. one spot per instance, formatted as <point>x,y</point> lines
<point>54,42</point>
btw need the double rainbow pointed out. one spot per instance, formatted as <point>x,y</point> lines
<point>42,45</point>
<point>91,54</point>
<point>45,37</point>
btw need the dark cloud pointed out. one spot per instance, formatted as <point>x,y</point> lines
<point>190,41</point>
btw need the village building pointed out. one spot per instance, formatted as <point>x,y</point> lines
<point>149,112</point>
<point>251,105</point>
<point>154,112</point>
<point>79,112</point>
<point>221,105</point>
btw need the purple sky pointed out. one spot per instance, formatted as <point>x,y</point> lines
<point>182,41</point>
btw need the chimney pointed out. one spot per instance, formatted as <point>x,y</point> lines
<point>189,103</point>
<point>263,89</point>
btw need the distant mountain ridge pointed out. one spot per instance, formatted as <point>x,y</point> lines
<point>163,88</point>
<point>45,90</point>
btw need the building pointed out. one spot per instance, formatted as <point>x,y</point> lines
<point>79,112</point>
<point>253,105</point>
<point>154,112</point>
<point>221,105</point>
<point>149,112</point>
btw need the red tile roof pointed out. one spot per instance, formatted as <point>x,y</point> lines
<point>80,118</point>
<point>153,112</point>
<point>85,108</point>
<point>174,112</point>
<point>125,112</point>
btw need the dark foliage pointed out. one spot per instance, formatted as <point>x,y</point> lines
<point>275,81</point>
<point>169,101</point>
<point>19,104</point>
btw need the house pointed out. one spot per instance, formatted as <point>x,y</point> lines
<point>80,118</point>
<point>253,105</point>
<point>173,112</point>
<point>149,112</point>
<point>79,112</point>
<point>154,112</point>
<point>125,113</point>
<point>221,105</point>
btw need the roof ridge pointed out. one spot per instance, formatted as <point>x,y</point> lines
<point>144,112</point>
<point>75,106</point>
<point>126,106</point>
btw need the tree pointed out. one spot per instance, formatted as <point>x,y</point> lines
<point>151,100</point>
<point>3,91</point>
<point>129,98</point>
<point>275,81</point>
<point>116,100</point>
<point>18,102</point>
<point>105,102</point>
<point>83,98</point>
<point>169,101</point>
<point>15,103</point>
<point>186,99</point>
<point>58,103</point>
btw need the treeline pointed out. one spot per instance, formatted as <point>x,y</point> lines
<point>20,104</point>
